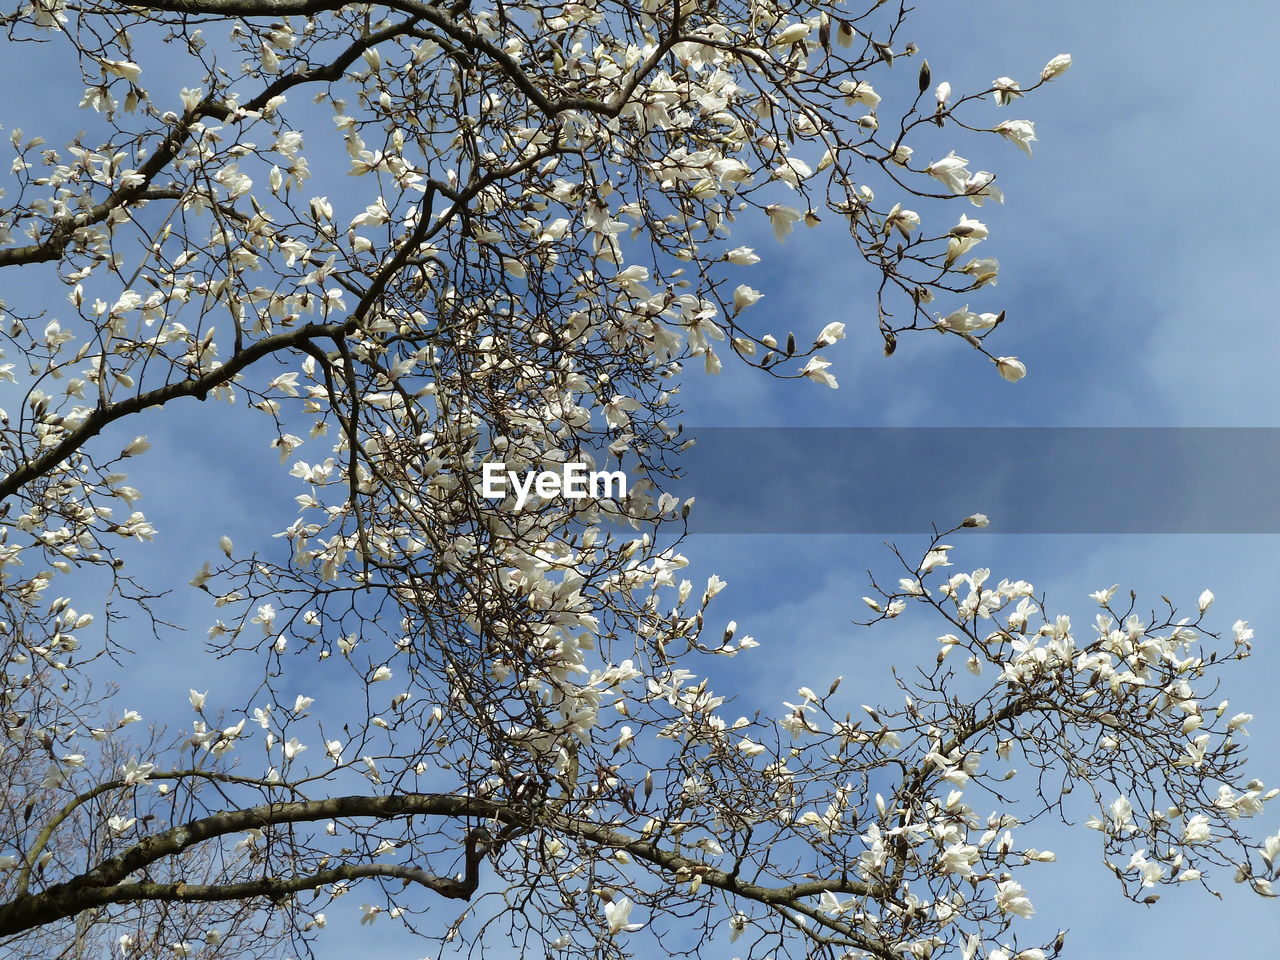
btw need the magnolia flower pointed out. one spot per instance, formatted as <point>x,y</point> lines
<point>951,172</point>
<point>731,170</point>
<point>970,229</point>
<point>122,68</point>
<point>135,772</point>
<point>983,270</point>
<point>937,557</point>
<point>904,221</point>
<point>816,370</point>
<point>321,208</point>
<point>1151,872</point>
<point>382,673</point>
<point>965,320</point>
<point>791,171</point>
<point>48,14</point>
<point>266,617</point>
<point>744,296</point>
<point>615,411</point>
<point>791,35</point>
<point>120,824</point>
<point>1006,90</point>
<point>1242,632</point>
<point>1246,804</point>
<point>375,214</point>
<point>1019,132</point>
<point>859,91</point>
<point>1206,599</point>
<point>1011,368</point>
<point>203,576</point>
<point>1239,720</point>
<point>136,446</point>
<point>981,186</point>
<point>1197,830</point>
<point>830,334</point>
<point>1056,67</point>
<point>942,94</point>
<point>737,923</point>
<point>197,699</point>
<point>975,520</point>
<point>301,703</point>
<point>286,383</point>
<point>958,858</point>
<point>1103,597</point>
<point>1270,849</point>
<point>1121,814</point>
<point>616,915</point>
<point>742,256</point>
<point>832,905</point>
<point>782,219</point>
<point>1012,898</point>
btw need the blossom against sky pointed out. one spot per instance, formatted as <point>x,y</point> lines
<point>1135,248</point>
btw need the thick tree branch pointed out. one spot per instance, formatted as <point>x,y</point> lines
<point>105,883</point>
<point>443,22</point>
<point>275,887</point>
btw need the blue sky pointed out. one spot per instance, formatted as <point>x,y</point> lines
<point>1137,248</point>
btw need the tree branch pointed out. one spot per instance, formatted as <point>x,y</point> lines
<point>103,884</point>
<point>191,387</point>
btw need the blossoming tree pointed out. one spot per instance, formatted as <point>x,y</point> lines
<point>524,239</point>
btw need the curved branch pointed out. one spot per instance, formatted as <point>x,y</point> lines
<point>275,887</point>
<point>104,883</point>
<point>191,387</point>
<point>53,245</point>
<point>442,22</point>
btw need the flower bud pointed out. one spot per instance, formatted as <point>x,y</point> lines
<point>1011,368</point>
<point>1056,67</point>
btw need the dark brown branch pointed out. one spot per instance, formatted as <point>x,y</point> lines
<point>104,884</point>
<point>191,387</point>
<point>274,888</point>
<point>53,245</point>
<point>439,19</point>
